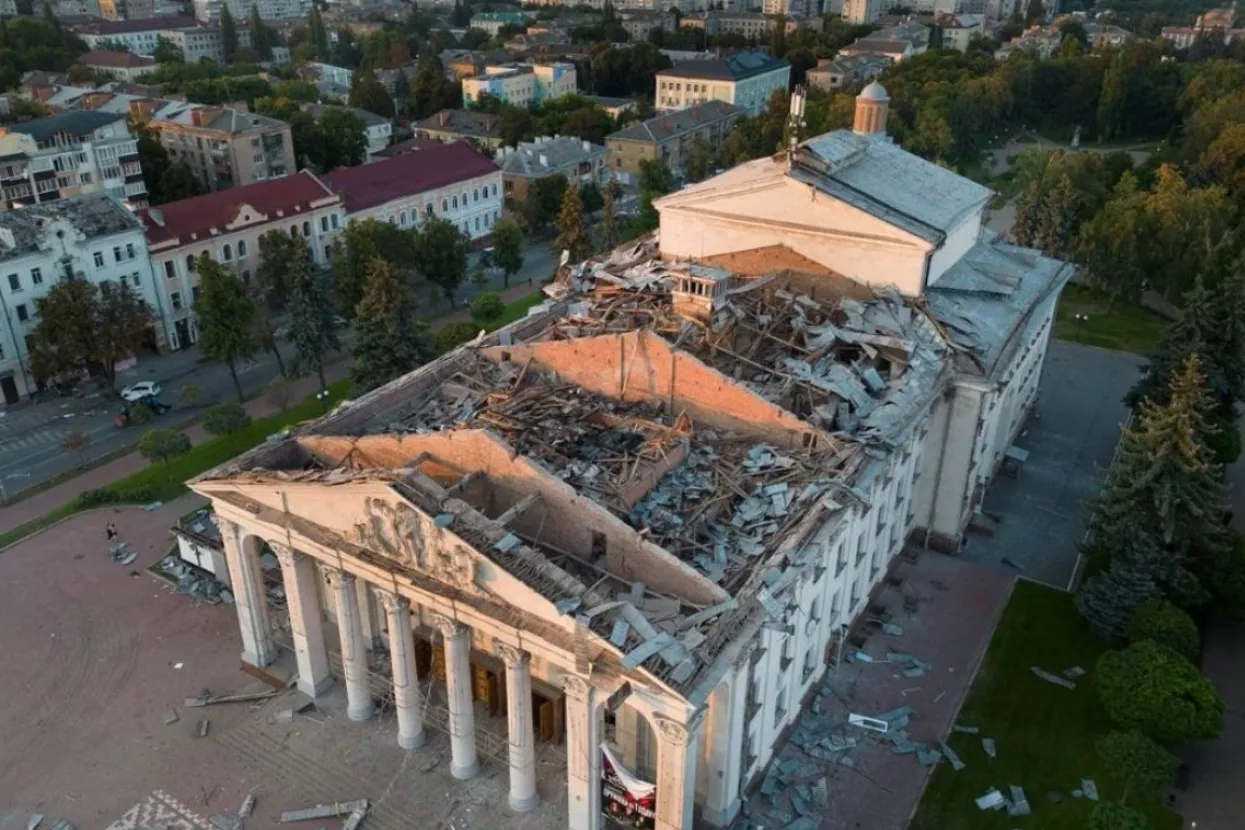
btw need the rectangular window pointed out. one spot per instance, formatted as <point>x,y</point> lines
<point>22,314</point>
<point>334,221</point>
<point>324,224</point>
<point>116,254</point>
<point>129,250</point>
<point>170,270</point>
<point>194,294</point>
<point>15,283</point>
<point>176,299</point>
<point>134,277</point>
<point>36,276</point>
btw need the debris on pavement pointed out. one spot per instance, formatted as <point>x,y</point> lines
<point>248,806</point>
<point>952,758</point>
<point>33,822</point>
<point>170,716</point>
<point>967,730</point>
<point>335,810</point>
<point>1052,678</point>
<point>1089,788</point>
<point>209,700</point>
<point>992,800</point>
<point>987,744</point>
<point>202,729</point>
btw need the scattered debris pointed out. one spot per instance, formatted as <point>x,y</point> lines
<point>208,700</point>
<point>202,729</point>
<point>225,822</point>
<point>988,745</point>
<point>1089,788</point>
<point>992,800</point>
<point>1019,804</point>
<point>872,724</point>
<point>956,763</point>
<point>248,806</point>
<point>34,821</point>
<point>1052,678</point>
<point>170,716</point>
<point>1074,672</point>
<point>334,810</point>
<point>62,824</point>
<point>967,730</point>
<point>892,629</point>
<point>193,581</point>
<point>283,715</point>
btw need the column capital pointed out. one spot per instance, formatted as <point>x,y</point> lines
<point>449,628</point>
<point>674,732</point>
<point>285,554</point>
<point>392,601</point>
<point>512,656</point>
<point>576,688</point>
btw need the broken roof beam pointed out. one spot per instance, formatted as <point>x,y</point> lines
<point>463,483</point>
<point>519,508</point>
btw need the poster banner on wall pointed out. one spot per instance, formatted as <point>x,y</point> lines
<point>624,796</point>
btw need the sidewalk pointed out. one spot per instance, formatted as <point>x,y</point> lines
<point>32,508</point>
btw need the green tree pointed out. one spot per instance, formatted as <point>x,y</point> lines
<point>454,335</point>
<point>261,36</point>
<point>431,91</point>
<point>311,325</point>
<point>1114,97</point>
<point>1028,212</point>
<point>226,318</point>
<point>699,160</point>
<point>368,93</point>
<point>1165,623</point>
<point>76,442</point>
<point>1058,224</point>
<point>160,446</point>
<point>1133,576</point>
<point>389,337</point>
<point>178,182</point>
<point>507,249</point>
<point>573,236</point>
<point>441,255</point>
<point>1142,763</point>
<point>226,419</point>
<point>166,51</point>
<point>318,35</point>
<point>342,139</point>
<point>1108,815</point>
<point>609,219</point>
<point>654,177</point>
<point>542,202</point>
<point>362,243</point>
<point>1150,687</point>
<point>487,309</point>
<point>228,34</point>
<point>1114,244</point>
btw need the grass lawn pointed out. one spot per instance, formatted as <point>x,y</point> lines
<point>518,309</point>
<point>164,482</point>
<point>1045,733</point>
<point>1127,327</point>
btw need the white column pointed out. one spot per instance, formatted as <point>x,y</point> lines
<point>676,774</point>
<point>406,698</point>
<point>250,598</point>
<point>369,617</point>
<point>724,735</point>
<point>458,689</point>
<point>523,796</point>
<point>306,621</point>
<point>583,755</point>
<point>354,656</point>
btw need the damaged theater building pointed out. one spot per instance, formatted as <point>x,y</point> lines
<point>638,522</point>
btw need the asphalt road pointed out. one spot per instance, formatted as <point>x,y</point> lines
<point>31,436</point>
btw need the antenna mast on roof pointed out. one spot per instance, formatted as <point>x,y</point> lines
<point>795,123</point>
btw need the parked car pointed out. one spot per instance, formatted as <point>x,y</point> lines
<point>140,390</point>
<point>157,407</point>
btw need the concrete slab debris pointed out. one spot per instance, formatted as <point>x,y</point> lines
<point>1074,672</point>
<point>967,730</point>
<point>212,700</point>
<point>225,822</point>
<point>821,793</point>
<point>892,629</point>
<point>864,722</point>
<point>34,821</point>
<point>355,818</point>
<point>992,800</point>
<point>248,806</point>
<point>1089,788</point>
<point>334,810</point>
<point>170,716</point>
<point>1052,678</point>
<point>1019,804</point>
<point>928,756</point>
<point>987,744</point>
<point>956,763</point>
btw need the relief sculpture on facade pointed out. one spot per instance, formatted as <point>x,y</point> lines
<point>402,533</point>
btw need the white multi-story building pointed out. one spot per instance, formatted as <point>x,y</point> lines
<point>864,11</point>
<point>208,11</point>
<point>747,79</point>
<point>522,84</point>
<point>69,153</point>
<point>138,36</point>
<point>445,181</point>
<point>629,521</point>
<point>91,237</point>
<point>226,226</point>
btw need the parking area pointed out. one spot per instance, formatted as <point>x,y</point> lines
<point>1070,439</point>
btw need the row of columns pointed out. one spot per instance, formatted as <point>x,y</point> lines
<point>584,702</point>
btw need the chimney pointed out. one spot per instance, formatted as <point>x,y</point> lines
<point>202,116</point>
<point>141,110</point>
<point>872,105</point>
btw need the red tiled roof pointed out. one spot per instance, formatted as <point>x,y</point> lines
<point>407,174</point>
<point>292,195</point>
<point>118,60</point>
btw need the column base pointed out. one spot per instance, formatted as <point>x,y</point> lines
<point>722,818</point>
<point>461,772</point>
<point>524,805</point>
<point>259,660</point>
<point>361,714</point>
<point>315,688</point>
<point>412,741</point>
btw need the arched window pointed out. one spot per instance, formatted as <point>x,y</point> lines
<point>475,195</point>
<point>445,205</point>
<point>190,263</point>
<point>455,202</point>
<point>307,229</point>
<point>228,252</point>
<point>241,249</point>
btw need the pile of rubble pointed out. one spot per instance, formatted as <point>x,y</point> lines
<point>194,582</point>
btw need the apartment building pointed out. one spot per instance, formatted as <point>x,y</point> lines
<point>640,23</point>
<point>746,79</point>
<point>120,66</point>
<point>446,181</point>
<point>581,162</point>
<point>522,84</point>
<point>494,22</point>
<point>862,12</point>
<point>846,70</point>
<point>226,226</point>
<point>69,153</point>
<point>208,11</point>
<point>89,237</point>
<point>478,128</point>
<point>668,137</point>
<point>138,36</point>
<point>225,147</point>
